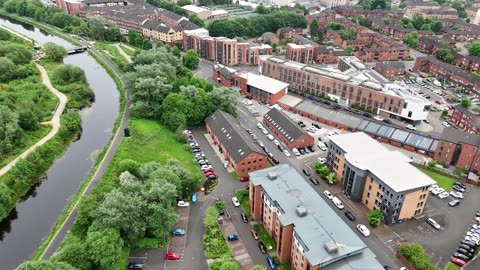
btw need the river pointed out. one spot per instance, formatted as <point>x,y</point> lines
<point>30,222</point>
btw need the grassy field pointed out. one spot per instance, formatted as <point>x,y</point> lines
<point>451,266</point>
<point>442,180</point>
<point>265,237</point>
<point>111,53</point>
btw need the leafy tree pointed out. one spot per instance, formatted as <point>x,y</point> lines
<point>147,95</point>
<point>375,4</point>
<point>374,218</point>
<point>349,49</point>
<point>445,114</point>
<point>474,48</point>
<point>176,108</point>
<point>432,164</point>
<point>45,265</point>
<point>263,9</point>
<point>426,27</point>
<point>28,120</point>
<point>74,251</point>
<point>224,99</point>
<point>449,58</point>
<point>104,247</point>
<point>334,26</point>
<point>54,51</point>
<point>314,28</point>
<point>411,39</point>
<point>129,165</point>
<point>61,20</point>
<point>7,70</point>
<point>441,53</point>
<point>362,20</point>
<point>5,35</point>
<point>6,201</point>
<point>70,123</point>
<point>184,3</point>
<point>11,135</point>
<point>302,7</point>
<point>331,178</point>
<point>466,102</point>
<point>410,250</point>
<point>437,27</point>
<point>230,265</point>
<point>196,20</point>
<point>347,34</point>
<point>69,74</point>
<point>191,59</point>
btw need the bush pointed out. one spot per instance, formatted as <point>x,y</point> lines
<point>374,218</point>
<point>415,254</point>
<point>66,74</point>
<point>213,240</point>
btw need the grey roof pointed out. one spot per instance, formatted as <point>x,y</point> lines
<point>391,167</point>
<point>226,72</point>
<point>393,133</point>
<point>451,68</point>
<point>456,136</point>
<point>329,114</point>
<point>269,35</point>
<point>89,2</point>
<point>321,225</point>
<point>304,41</point>
<point>157,26</point>
<point>284,125</point>
<point>233,137</point>
<point>392,64</point>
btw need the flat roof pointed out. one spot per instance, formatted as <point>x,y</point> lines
<point>290,100</point>
<point>264,83</point>
<point>194,9</point>
<point>219,12</point>
<point>391,167</point>
<point>320,226</point>
<point>337,116</point>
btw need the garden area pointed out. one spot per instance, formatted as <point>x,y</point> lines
<point>213,240</point>
<point>324,172</point>
<point>242,197</point>
<point>415,255</point>
<point>443,180</point>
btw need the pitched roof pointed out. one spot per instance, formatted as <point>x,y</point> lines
<point>284,125</point>
<point>233,137</point>
<point>392,64</point>
<point>457,136</point>
<point>463,110</point>
<point>451,68</point>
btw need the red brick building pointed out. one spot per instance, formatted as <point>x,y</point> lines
<point>261,88</point>
<point>224,75</point>
<point>288,32</point>
<point>460,149</point>
<point>323,18</point>
<point>390,69</point>
<point>270,37</point>
<point>300,53</point>
<point>329,56</point>
<point>287,131</point>
<point>231,140</point>
<point>465,120</point>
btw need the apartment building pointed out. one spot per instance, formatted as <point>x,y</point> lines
<point>417,8</point>
<point>308,232</point>
<point>465,120</point>
<point>356,11</point>
<point>351,83</point>
<point>270,37</point>
<point>287,131</point>
<point>72,7</point>
<point>390,69</point>
<point>441,14</point>
<point>323,17</point>
<point>231,140</point>
<point>329,56</point>
<point>288,32</point>
<point>449,74</point>
<point>225,51</point>
<point>259,87</point>
<point>431,44</point>
<point>158,31</point>
<point>381,179</point>
<point>334,3</point>
<point>224,75</point>
<point>300,53</point>
<point>460,149</point>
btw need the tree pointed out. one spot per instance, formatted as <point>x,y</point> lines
<point>54,51</point>
<point>224,99</point>
<point>196,20</point>
<point>7,70</point>
<point>74,251</point>
<point>374,218</point>
<point>331,178</point>
<point>411,39</point>
<point>441,53</point>
<point>129,165</point>
<point>474,48</point>
<point>261,9</point>
<point>104,247</point>
<point>11,135</point>
<point>28,120</point>
<point>445,114</point>
<point>426,27</point>
<point>6,201</point>
<point>314,28</point>
<point>230,265</point>
<point>466,102</point>
<point>349,49</point>
<point>191,59</point>
<point>69,74</point>
<point>432,163</point>
<point>449,58</point>
<point>410,250</point>
<point>45,265</point>
<point>437,27</point>
<point>362,20</point>
<point>184,2</point>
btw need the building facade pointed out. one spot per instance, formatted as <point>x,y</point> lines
<point>380,179</point>
<point>260,88</point>
<point>390,69</point>
<point>465,120</point>
<point>460,149</point>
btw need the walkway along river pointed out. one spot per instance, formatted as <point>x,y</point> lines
<point>23,231</point>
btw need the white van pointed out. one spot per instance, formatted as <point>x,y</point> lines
<point>322,146</point>
<point>338,203</point>
<point>259,125</point>
<point>363,229</point>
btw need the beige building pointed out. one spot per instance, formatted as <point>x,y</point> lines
<point>205,13</point>
<point>158,31</point>
<point>379,178</point>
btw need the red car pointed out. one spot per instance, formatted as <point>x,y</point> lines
<point>245,179</point>
<point>458,261</point>
<point>172,256</point>
<point>209,174</point>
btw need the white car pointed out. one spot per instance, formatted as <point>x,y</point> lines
<point>378,118</point>
<point>437,191</point>
<point>270,137</point>
<point>472,239</point>
<point>264,131</point>
<point>322,160</point>
<point>310,129</point>
<point>328,194</point>
<point>235,202</point>
<point>411,127</point>
<point>472,234</point>
<point>322,146</point>
<point>276,142</point>
<point>338,203</point>
<point>445,124</point>
<point>183,204</point>
<point>443,195</point>
<point>433,187</point>
<point>434,223</point>
<point>205,167</point>
<point>286,153</point>
<point>363,230</point>
<point>296,152</point>
<point>259,125</point>
<point>456,194</point>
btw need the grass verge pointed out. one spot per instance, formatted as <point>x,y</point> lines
<point>235,176</point>
<point>127,50</point>
<point>242,197</point>
<point>109,51</point>
<point>442,180</point>
<point>451,266</point>
<point>265,237</point>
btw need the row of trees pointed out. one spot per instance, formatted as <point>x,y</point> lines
<point>421,23</point>
<point>256,25</point>
<point>376,4</point>
<point>445,55</point>
<point>324,172</point>
<point>163,89</point>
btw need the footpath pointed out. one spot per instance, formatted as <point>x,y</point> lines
<point>55,122</point>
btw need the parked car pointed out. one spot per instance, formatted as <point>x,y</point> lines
<point>135,266</point>
<point>445,124</point>
<point>411,127</point>
<point>464,252</point>
<point>460,184</point>
<point>244,217</point>
<point>434,223</point>
<point>271,262</point>
<point>183,204</point>
<point>314,180</point>
<point>316,125</point>
<point>296,152</point>
<point>244,178</point>
<point>172,256</point>
<point>270,137</point>
<point>468,243</point>
<point>322,160</point>
<point>262,247</point>
<point>456,194</point>
<point>338,203</point>
<point>276,142</point>
<point>254,234</point>
<point>458,188</point>
<point>436,191</point>
<point>363,230</point>
<point>235,202</point>
<point>306,172</point>
<point>454,203</point>
<point>328,194</point>
<point>322,146</point>
<point>232,237</point>
<point>461,256</point>
<point>311,148</point>
<point>387,121</point>
<point>378,118</point>
<point>350,216</point>
<point>443,195</point>
<point>178,232</point>
<point>301,150</point>
<point>467,248</point>
<point>286,153</point>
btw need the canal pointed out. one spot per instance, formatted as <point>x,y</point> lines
<point>30,222</point>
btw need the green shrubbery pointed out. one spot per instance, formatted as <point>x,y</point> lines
<point>213,239</point>
<point>415,254</point>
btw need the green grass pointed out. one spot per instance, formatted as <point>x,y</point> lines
<point>285,266</point>
<point>127,50</point>
<point>265,237</point>
<point>269,164</point>
<point>235,176</point>
<point>451,266</point>
<point>30,139</point>
<point>442,180</point>
<point>242,196</point>
<point>111,53</point>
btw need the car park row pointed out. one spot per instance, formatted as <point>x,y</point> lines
<point>456,193</point>
<point>467,247</point>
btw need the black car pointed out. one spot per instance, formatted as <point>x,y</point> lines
<point>367,115</point>
<point>249,131</point>
<point>262,247</point>
<point>265,150</point>
<point>135,265</point>
<point>458,188</point>
<point>316,125</point>
<point>244,217</point>
<point>300,123</point>
<point>350,216</point>
<point>467,248</point>
<point>464,252</point>
<point>427,97</point>
<point>461,256</point>
<point>326,102</point>
<point>303,125</point>
<point>468,243</point>
<point>356,111</point>
<point>306,172</point>
<point>314,181</point>
<point>196,151</point>
<point>336,107</point>
<point>301,150</point>
<point>311,148</point>
<point>347,109</point>
<point>460,184</point>
<point>275,161</point>
<point>212,177</point>
<point>387,121</point>
<point>426,121</point>
<point>280,148</point>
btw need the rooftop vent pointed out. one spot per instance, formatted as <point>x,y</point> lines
<point>272,175</point>
<point>331,247</point>
<point>301,211</point>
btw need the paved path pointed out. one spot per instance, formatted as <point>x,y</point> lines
<point>122,52</point>
<point>55,122</point>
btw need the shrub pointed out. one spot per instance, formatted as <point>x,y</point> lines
<point>414,253</point>
<point>374,218</point>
